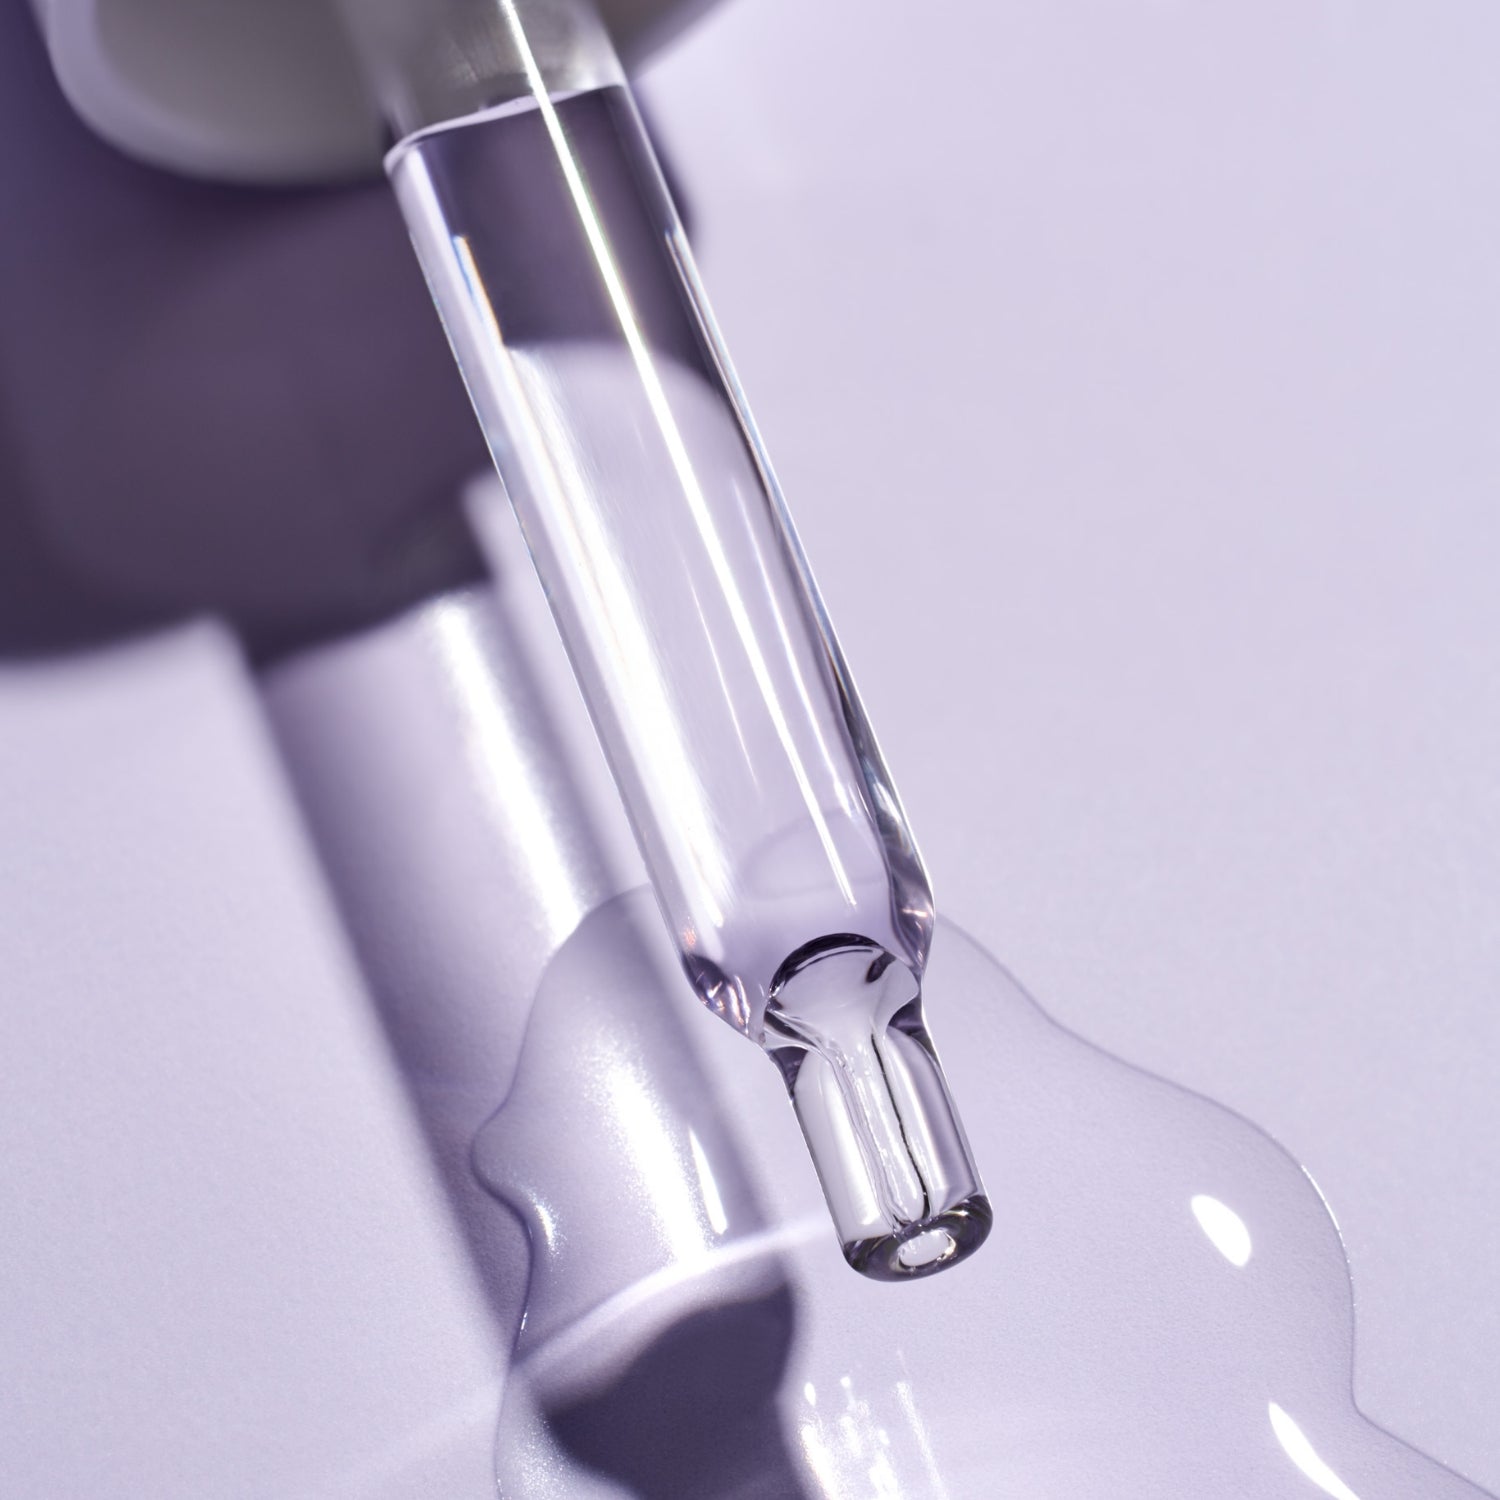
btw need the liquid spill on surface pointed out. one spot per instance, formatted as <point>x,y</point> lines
<point>1163,1307</point>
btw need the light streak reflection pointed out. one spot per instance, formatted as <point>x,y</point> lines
<point>708,1186</point>
<point>677,451</point>
<point>663,1177</point>
<point>1299,1449</point>
<point>1226,1230</point>
<point>496,749</point>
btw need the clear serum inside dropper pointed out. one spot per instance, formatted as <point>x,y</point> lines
<point>774,839</point>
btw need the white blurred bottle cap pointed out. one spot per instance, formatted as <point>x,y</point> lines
<point>251,91</point>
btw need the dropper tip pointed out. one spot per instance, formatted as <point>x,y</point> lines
<point>925,1248</point>
<point>845,1026</point>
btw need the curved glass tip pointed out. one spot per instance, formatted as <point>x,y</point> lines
<point>844,1025</point>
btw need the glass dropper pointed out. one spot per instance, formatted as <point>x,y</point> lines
<point>771,831</point>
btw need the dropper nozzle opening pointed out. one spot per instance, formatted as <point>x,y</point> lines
<point>845,1026</point>
<point>926,1248</point>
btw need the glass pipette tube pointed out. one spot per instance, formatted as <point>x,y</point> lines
<point>771,831</point>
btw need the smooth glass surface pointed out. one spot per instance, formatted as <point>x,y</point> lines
<point>768,821</point>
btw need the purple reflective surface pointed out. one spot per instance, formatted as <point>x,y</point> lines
<point>1168,390</point>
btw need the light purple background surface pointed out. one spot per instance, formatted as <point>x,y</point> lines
<point>1158,346</point>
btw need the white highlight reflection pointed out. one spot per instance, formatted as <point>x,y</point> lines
<point>708,1185</point>
<point>677,450</point>
<point>863,1448</point>
<point>1225,1229</point>
<point>633,660</point>
<point>819,1459</point>
<point>495,748</point>
<point>924,1443</point>
<point>652,1147</point>
<point>1302,1453</point>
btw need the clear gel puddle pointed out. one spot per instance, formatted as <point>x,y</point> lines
<point>1163,1307</point>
